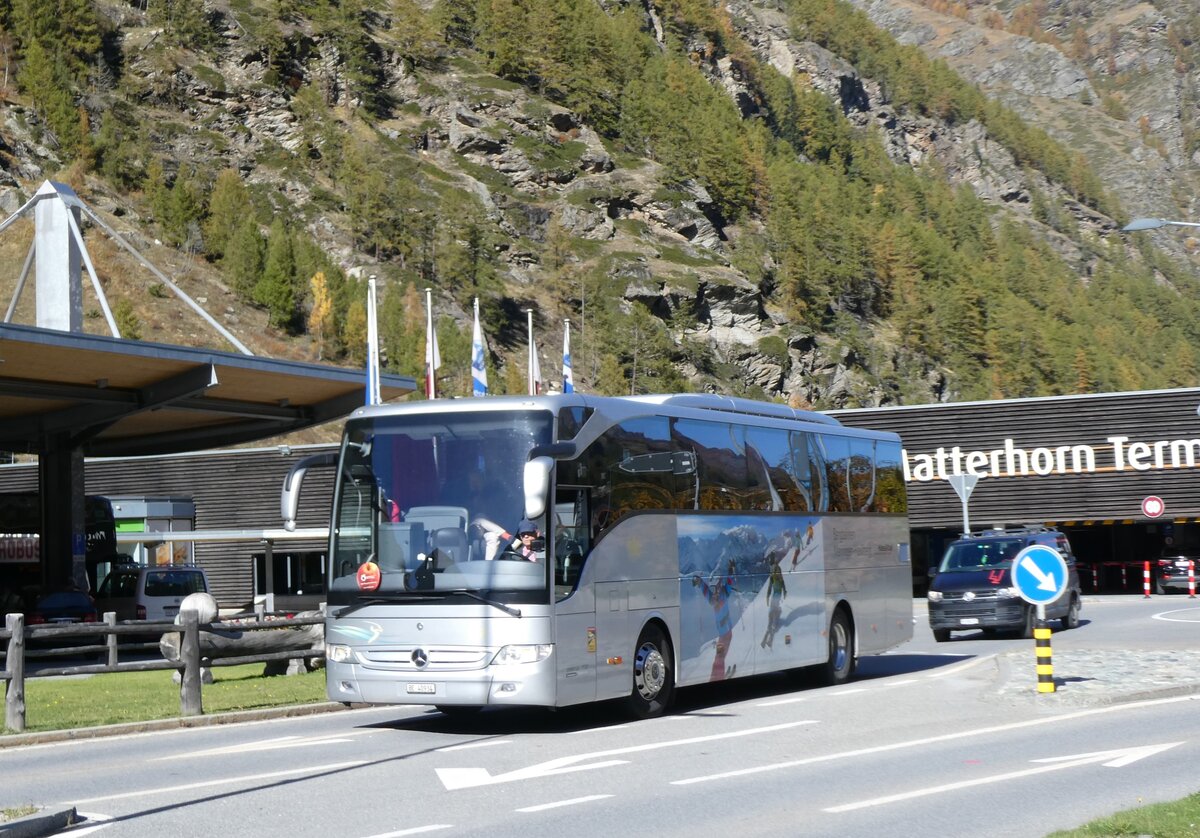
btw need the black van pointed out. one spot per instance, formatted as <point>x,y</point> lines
<point>972,587</point>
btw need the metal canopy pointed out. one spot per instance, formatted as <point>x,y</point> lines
<point>112,397</point>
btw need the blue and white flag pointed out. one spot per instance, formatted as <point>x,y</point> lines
<point>478,370</point>
<point>568,379</point>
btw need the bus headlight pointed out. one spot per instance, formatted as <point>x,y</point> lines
<point>1006,593</point>
<point>935,596</point>
<point>522,654</point>
<point>338,653</point>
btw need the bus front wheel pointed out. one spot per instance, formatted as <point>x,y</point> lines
<point>840,666</point>
<point>653,678</point>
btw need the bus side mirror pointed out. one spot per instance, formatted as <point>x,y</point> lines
<point>289,498</point>
<point>537,486</point>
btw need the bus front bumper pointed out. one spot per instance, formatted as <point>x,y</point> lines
<point>526,684</point>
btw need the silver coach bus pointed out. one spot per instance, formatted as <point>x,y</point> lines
<point>679,539</point>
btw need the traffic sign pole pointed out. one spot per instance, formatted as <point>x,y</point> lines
<point>1039,574</point>
<point>1045,666</point>
<point>963,485</point>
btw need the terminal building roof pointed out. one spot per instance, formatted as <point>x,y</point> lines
<point>112,397</point>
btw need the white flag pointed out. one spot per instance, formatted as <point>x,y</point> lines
<point>478,370</point>
<point>535,370</point>
<point>433,361</point>
<point>373,396</point>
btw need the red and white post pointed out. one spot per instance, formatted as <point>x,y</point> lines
<point>1146,581</point>
<point>1191,580</point>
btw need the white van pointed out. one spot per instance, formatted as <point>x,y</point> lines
<point>149,593</point>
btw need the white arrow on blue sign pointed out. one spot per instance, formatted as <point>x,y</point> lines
<point>1039,573</point>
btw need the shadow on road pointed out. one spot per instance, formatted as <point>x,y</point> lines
<point>709,699</point>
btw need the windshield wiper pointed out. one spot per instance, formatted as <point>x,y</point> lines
<point>507,609</point>
<point>380,599</point>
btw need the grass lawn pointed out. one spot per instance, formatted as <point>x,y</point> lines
<point>111,698</point>
<point>1179,819</point>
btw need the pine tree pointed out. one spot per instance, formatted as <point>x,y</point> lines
<point>228,206</point>
<point>276,289</point>
<point>44,79</point>
<point>243,260</point>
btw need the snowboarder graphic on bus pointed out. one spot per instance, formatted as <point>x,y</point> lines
<point>776,591</point>
<point>717,594</point>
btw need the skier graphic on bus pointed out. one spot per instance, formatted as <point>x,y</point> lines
<point>717,593</point>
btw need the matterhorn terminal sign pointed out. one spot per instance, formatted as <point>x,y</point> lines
<point>1121,453</point>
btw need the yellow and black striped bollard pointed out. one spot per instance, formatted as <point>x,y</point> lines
<point>1045,669</point>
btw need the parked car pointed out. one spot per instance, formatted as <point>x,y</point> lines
<point>62,608</point>
<point>149,593</point>
<point>1173,567</point>
<point>972,587</point>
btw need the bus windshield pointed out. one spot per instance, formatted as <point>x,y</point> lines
<point>434,500</point>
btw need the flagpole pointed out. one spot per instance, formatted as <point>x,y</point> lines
<point>373,394</point>
<point>430,384</point>
<point>529,318</point>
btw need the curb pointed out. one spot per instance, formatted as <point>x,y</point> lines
<point>16,740</point>
<point>43,823</point>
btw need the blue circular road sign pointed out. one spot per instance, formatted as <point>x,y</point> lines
<point>1039,573</point>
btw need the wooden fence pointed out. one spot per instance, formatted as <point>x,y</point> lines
<point>107,633</point>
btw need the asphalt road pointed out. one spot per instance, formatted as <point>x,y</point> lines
<point>931,740</point>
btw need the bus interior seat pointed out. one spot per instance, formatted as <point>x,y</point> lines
<point>438,517</point>
<point>451,545</point>
<point>399,545</point>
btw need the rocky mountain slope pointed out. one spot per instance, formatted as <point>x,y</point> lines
<point>1114,79</point>
<point>566,215</point>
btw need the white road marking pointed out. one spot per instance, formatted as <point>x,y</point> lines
<point>264,745</point>
<point>416,830</point>
<point>780,701</point>
<point>469,745</point>
<point>461,778</point>
<point>607,728</point>
<point>954,670</point>
<point>1110,759</point>
<point>1194,612</point>
<point>291,772</point>
<point>836,693</point>
<point>948,737</point>
<point>573,801</point>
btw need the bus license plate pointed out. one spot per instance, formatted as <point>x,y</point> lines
<point>969,621</point>
<point>422,689</point>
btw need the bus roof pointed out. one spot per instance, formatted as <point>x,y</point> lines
<point>616,405</point>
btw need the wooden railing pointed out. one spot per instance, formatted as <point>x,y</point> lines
<point>189,664</point>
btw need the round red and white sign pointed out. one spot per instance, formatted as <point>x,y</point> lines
<point>1153,506</point>
<point>369,576</point>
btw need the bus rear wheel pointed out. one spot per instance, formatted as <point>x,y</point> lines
<point>653,678</point>
<point>840,666</point>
